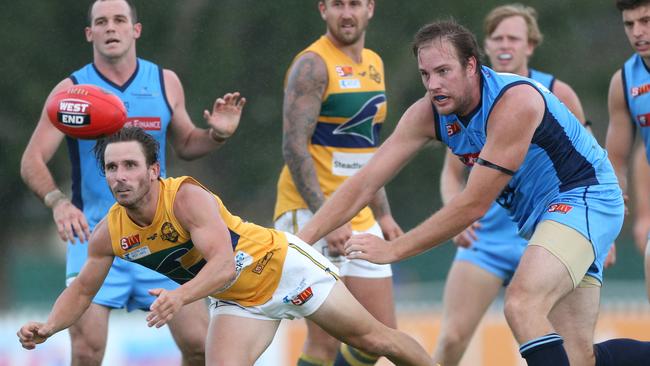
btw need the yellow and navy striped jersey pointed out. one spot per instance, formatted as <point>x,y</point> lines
<point>346,136</point>
<point>166,247</point>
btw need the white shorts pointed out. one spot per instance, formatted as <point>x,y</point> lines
<point>293,221</point>
<point>307,279</point>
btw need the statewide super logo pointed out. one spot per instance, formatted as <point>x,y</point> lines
<point>300,295</point>
<point>129,242</point>
<point>73,112</point>
<point>361,124</point>
<point>639,90</point>
<point>561,208</point>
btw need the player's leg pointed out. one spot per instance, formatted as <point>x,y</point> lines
<point>88,336</point>
<point>368,282</point>
<point>469,291</point>
<point>574,318</point>
<point>189,327</point>
<point>342,316</point>
<point>555,261</point>
<point>237,340</point>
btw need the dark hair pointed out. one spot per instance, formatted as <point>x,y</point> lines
<point>134,12</point>
<point>460,37</point>
<point>148,144</point>
<point>630,4</point>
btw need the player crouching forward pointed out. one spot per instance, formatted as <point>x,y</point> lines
<point>180,229</point>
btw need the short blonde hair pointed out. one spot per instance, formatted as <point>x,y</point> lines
<point>498,14</point>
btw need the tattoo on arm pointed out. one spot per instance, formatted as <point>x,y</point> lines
<point>302,102</point>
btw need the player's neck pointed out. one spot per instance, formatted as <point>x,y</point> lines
<point>646,61</point>
<point>144,211</point>
<point>118,71</point>
<point>353,51</point>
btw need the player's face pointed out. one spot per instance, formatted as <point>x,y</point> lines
<point>112,31</point>
<point>508,47</point>
<point>127,173</point>
<point>448,83</point>
<point>637,28</point>
<point>347,20</point>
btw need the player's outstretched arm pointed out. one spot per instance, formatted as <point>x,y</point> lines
<point>33,168</point>
<point>189,141</point>
<point>412,132</point>
<point>197,211</point>
<point>510,129</point>
<point>620,132</point>
<point>75,299</point>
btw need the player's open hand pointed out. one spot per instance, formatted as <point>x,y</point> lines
<point>32,333</point>
<point>164,308</point>
<point>225,115</point>
<point>467,236</point>
<point>70,221</point>
<point>370,248</point>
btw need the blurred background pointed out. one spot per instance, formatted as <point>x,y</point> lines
<point>244,45</point>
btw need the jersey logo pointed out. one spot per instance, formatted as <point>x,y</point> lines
<point>453,128</point>
<point>643,119</point>
<point>169,233</point>
<point>259,266</point>
<point>343,71</point>
<point>145,123</point>
<point>361,123</point>
<point>374,75</point>
<point>639,90</point>
<point>299,295</point>
<point>469,159</point>
<point>129,242</point>
<point>181,265</point>
<point>562,208</point>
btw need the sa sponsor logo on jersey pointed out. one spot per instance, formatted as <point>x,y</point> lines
<point>639,90</point>
<point>300,295</point>
<point>344,71</point>
<point>145,123</point>
<point>643,119</point>
<point>453,128</point>
<point>562,208</point>
<point>73,112</point>
<point>129,242</point>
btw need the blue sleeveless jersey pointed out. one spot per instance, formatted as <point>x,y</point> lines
<point>146,104</point>
<point>562,156</point>
<point>636,84</point>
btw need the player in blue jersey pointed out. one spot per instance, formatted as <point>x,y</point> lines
<point>155,101</point>
<point>629,110</point>
<point>529,152</point>
<point>489,249</point>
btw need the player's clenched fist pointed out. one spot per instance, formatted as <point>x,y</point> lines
<point>32,333</point>
<point>163,309</point>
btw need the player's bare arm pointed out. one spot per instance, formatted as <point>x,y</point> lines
<point>198,212</point>
<point>189,141</point>
<point>306,84</point>
<point>76,298</point>
<point>381,210</point>
<point>45,141</point>
<point>620,132</point>
<point>412,132</point>
<point>510,129</point>
<point>452,182</point>
<point>569,97</point>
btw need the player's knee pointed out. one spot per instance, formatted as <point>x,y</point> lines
<point>516,309</point>
<point>453,341</point>
<point>192,350</point>
<point>85,351</point>
<point>376,343</point>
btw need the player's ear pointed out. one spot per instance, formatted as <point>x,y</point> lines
<point>371,8</point>
<point>89,34</point>
<point>471,65</point>
<point>322,7</point>
<point>154,171</point>
<point>137,30</point>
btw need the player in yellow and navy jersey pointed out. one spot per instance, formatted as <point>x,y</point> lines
<point>255,276</point>
<point>334,108</point>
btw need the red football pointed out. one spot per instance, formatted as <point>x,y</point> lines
<point>86,111</point>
